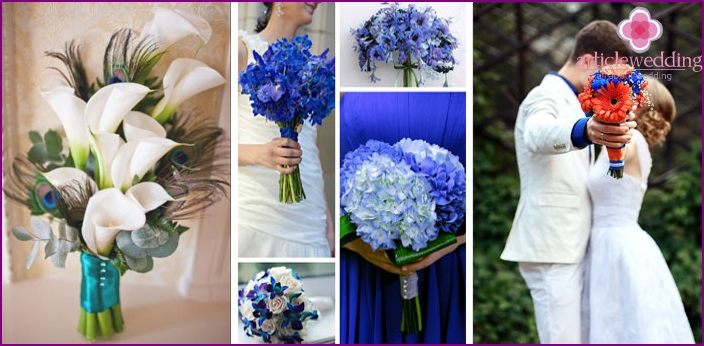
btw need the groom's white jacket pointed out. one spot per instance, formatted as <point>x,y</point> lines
<point>553,217</point>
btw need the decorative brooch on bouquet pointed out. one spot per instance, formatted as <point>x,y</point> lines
<point>609,95</point>
<point>412,38</point>
<point>134,165</point>
<point>289,86</point>
<point>275,308</point>
<point>407,198</point>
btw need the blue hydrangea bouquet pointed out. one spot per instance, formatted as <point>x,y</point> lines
<point>412,38</point>
<point>407,198</point>
<point>274,307</point>
<point>288,85</point>
<point>135,166</point>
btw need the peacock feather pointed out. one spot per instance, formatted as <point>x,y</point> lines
<point>129,59</point>
<point>194,176</point>
<point>76,76</point>
<point>25,184</point>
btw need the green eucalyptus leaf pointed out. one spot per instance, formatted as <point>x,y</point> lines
<point>38,153</point>
<point>32,255</point>
<point>35,137</point>
<point>52,246</point>
<point>167,249</point>
<point>128,247</point>
<point>53,144</point>
<point>59,258</point>
<point>41,227</point>
<point>148,237</point>
<point>22,234</point>
<point>140,265</point>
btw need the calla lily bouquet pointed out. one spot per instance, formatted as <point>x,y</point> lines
<point>134,166</point>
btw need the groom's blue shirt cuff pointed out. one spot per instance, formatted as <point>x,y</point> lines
<point>579,138</point>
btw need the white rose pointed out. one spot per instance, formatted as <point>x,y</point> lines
<point>247,310</point>
<point>277,272</point>
<point>303,299</point>
<point>277,305</point>
<point>294,285</point>
<point>268,326</point>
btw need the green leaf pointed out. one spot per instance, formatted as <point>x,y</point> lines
<point>167,249</point>
<point>22,234</point>
<point>35,137</point>
<point>42,228</point>
<point>38,153</point>
<point>140,265</point>
<point>59,258</point>
<point>53,144</point>
<point>32,255</point>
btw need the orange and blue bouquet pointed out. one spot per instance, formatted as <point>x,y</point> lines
<point>135,165</point>
<point>288,85</point>
<point>274,307</point>
<point>610,94</point>
<point>408,199</point>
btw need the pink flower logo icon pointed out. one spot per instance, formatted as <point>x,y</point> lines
<point>639,29</point>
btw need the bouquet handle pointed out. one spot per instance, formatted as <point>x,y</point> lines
<point>402,256</point>
<point>100,298</point>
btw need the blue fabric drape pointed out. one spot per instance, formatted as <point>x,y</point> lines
<point>370,298</point>
<point>100,284</point>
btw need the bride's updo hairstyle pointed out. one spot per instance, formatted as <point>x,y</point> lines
<point>263,20</point>
<point>654,121</point>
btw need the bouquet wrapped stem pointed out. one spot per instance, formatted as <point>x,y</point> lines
<point>411,321</point>
<point>101,313</point>
<point>290,185</point>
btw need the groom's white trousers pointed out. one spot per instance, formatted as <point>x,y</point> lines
<point>557,291</point>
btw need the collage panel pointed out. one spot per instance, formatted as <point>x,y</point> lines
<point>576,242</point>
<point>286,142</point>
<point>116,173</point>
<point>403,44</point>
<point>286,302</point>
<point>403,223</point>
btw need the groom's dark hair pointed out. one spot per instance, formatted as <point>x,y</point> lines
<point>599,36</point>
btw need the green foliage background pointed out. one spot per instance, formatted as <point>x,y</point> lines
<point>671,211</point>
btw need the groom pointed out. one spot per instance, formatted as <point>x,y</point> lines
<point>551,227</point>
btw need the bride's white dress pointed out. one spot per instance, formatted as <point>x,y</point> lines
<point>629,293</point>
<point>267,227</point>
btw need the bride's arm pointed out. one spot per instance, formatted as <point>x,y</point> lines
<point>381,260</point>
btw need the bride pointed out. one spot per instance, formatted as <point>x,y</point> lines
<point>267,227</point>
<point>629,294</point>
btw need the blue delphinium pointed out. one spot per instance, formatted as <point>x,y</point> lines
<point>420,38</point>
<point>447,178</point>
<point>289,86</point>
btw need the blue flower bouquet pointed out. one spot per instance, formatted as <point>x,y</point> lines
<point>412,38</point>
<point>275,308</point>
<point>407,198</point>
<point>288,85</point>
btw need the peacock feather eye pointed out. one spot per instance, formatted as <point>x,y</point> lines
<point>118,76</point>
<point>45,197</point>
<point>180,157</point>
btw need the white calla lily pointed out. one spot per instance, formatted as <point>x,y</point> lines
<point>64,176</point>
<point>170,26</point>
<point>148,195</point>
<point>105,147</point>
<point>109,212</point>
<point>71,112</point>
<point>134,159</point>
<point>184,78</point>
<point>138,125</point>
<point>106,109</point>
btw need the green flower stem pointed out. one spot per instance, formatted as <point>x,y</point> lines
<point>411,316</point>
<point>291,187</point>
<point>107,323</point>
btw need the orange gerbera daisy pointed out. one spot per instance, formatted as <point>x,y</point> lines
<point>611,104</point>
<point>585,97</point>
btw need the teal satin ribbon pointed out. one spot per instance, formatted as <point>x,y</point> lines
<point>100,284</point>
